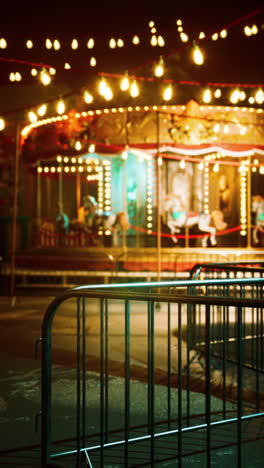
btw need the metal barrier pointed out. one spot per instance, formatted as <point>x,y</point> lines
<point>146,331</point>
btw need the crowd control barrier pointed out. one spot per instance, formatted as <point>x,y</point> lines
<point>153,385</point>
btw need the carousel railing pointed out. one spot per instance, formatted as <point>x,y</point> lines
<point>145,330</point>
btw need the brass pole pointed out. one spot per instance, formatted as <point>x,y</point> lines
<point>158,200</point>
<point>249,204</point>
<point>14,219</point>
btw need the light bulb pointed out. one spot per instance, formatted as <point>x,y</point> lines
<point>74,44</point>
<point>2,124</point>
<point>135,40</point>
<point>134,91</point>
<point>159,69</point>
<point>124,84</point>
<point>42,110</point>
<point>32,117</point>
<point>88,98</point>
<point>93,61</point>
<point>56,44</point>
<point>29,44</point>
<point>207,96</point>
<point>90,43</point>
<point>167,94</point>
<point>198,57</point>
<point>60,107</point>
<point>48,44</point>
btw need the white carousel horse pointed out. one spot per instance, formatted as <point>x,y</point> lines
<point>258,208</point>
<point>178,218</point>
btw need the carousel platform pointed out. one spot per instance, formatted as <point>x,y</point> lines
<point>65,268</point>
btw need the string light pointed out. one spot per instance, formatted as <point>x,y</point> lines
<point>45,78</point>
<point>197,54</point>
<point>167,93</point>
<point>134,90</point>
<point>124,84</point>
<point>74,44</point>
<point>3,43</point>
<point>207,96</point>
<point>88,98</point>
<point>90,43</point>
<point>159,68</point>
<point>56,44</point>
<point>136,40</point>
<point>48,44</point>
<point>93,61</point>
<point>2,124</point>
<point>29,44</point>
<point>61,107</point>
<point>42,110</point>
<point>154,40</point>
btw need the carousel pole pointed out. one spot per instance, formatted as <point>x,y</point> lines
<point>60,194</point>
<point>14,219</point>
<point>158,200</point>
<point>249,204</point>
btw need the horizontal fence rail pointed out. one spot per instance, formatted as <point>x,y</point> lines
<point>174,344</point>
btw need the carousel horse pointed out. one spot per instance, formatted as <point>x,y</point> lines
<point>258,208</point>
<point>178,218</point>
<point>109,222</point>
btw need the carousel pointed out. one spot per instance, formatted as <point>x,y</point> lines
<point>158,187</point>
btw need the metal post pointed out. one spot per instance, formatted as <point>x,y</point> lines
<point>14,218</point>
<point>249,204</point>
<point>158,200</point>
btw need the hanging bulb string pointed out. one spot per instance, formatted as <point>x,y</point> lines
<point>186,46</point>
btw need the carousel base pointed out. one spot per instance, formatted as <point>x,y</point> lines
<point>65,268</point>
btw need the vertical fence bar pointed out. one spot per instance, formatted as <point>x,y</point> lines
<point>239,384</point>
<point>180,386</point>
<point>169,367</point>
<point>102,380</point>
<point>78,375</point>
<point>46,391</point>
<point>106,380</point>
<point>188,350</point>
<point>208,383</point>
<point>127,379</point>
<point>151,393</point>
<point>83,371</point>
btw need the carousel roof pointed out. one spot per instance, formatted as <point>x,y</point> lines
<point>193,130</point>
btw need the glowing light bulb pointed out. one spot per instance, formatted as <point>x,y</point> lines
<point>120,43</point>
<point>56,44</point>
<point>92,61</point>
<point>74,44</point>
<point>159,69</point>
<point>207,96</point>
<point>52,71</point>
<point>182,164</point>
<point>154,40</point>
<point>48,44</point>
<point>215,37</point>
<point>34,72</point>
<point>247,31</point>
<point>124,84</point>
<point>2,124</point>
<point>12,77</point>
<point>234,97</point>
<point>108,93</point>
<point>88,98</point>
<point>91,148</point>
<point>67,66</point>
<point>42,110</point>
<point>217,93</point>
<point>3,43</point>
<point>29,44</point>
<point>198,57</point>
<point>254,29</point>
<point>201,35</point>
<point>61,107</point>
<point>259,96</point>
<point>151,24</point>
<point>134,90</point>
<point>167,94</point>
<point>32,117</point>
<point>223,33</point>
<point>161,41</point>
<point>45,78</point>
<point>184,37</point>
<point>135,40</point>
<point>102,87</point>
<point>78,145</point>
<point>90,43</point>
<point>242,95</point>
<point>112,43</point>
<point>18,76</point>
